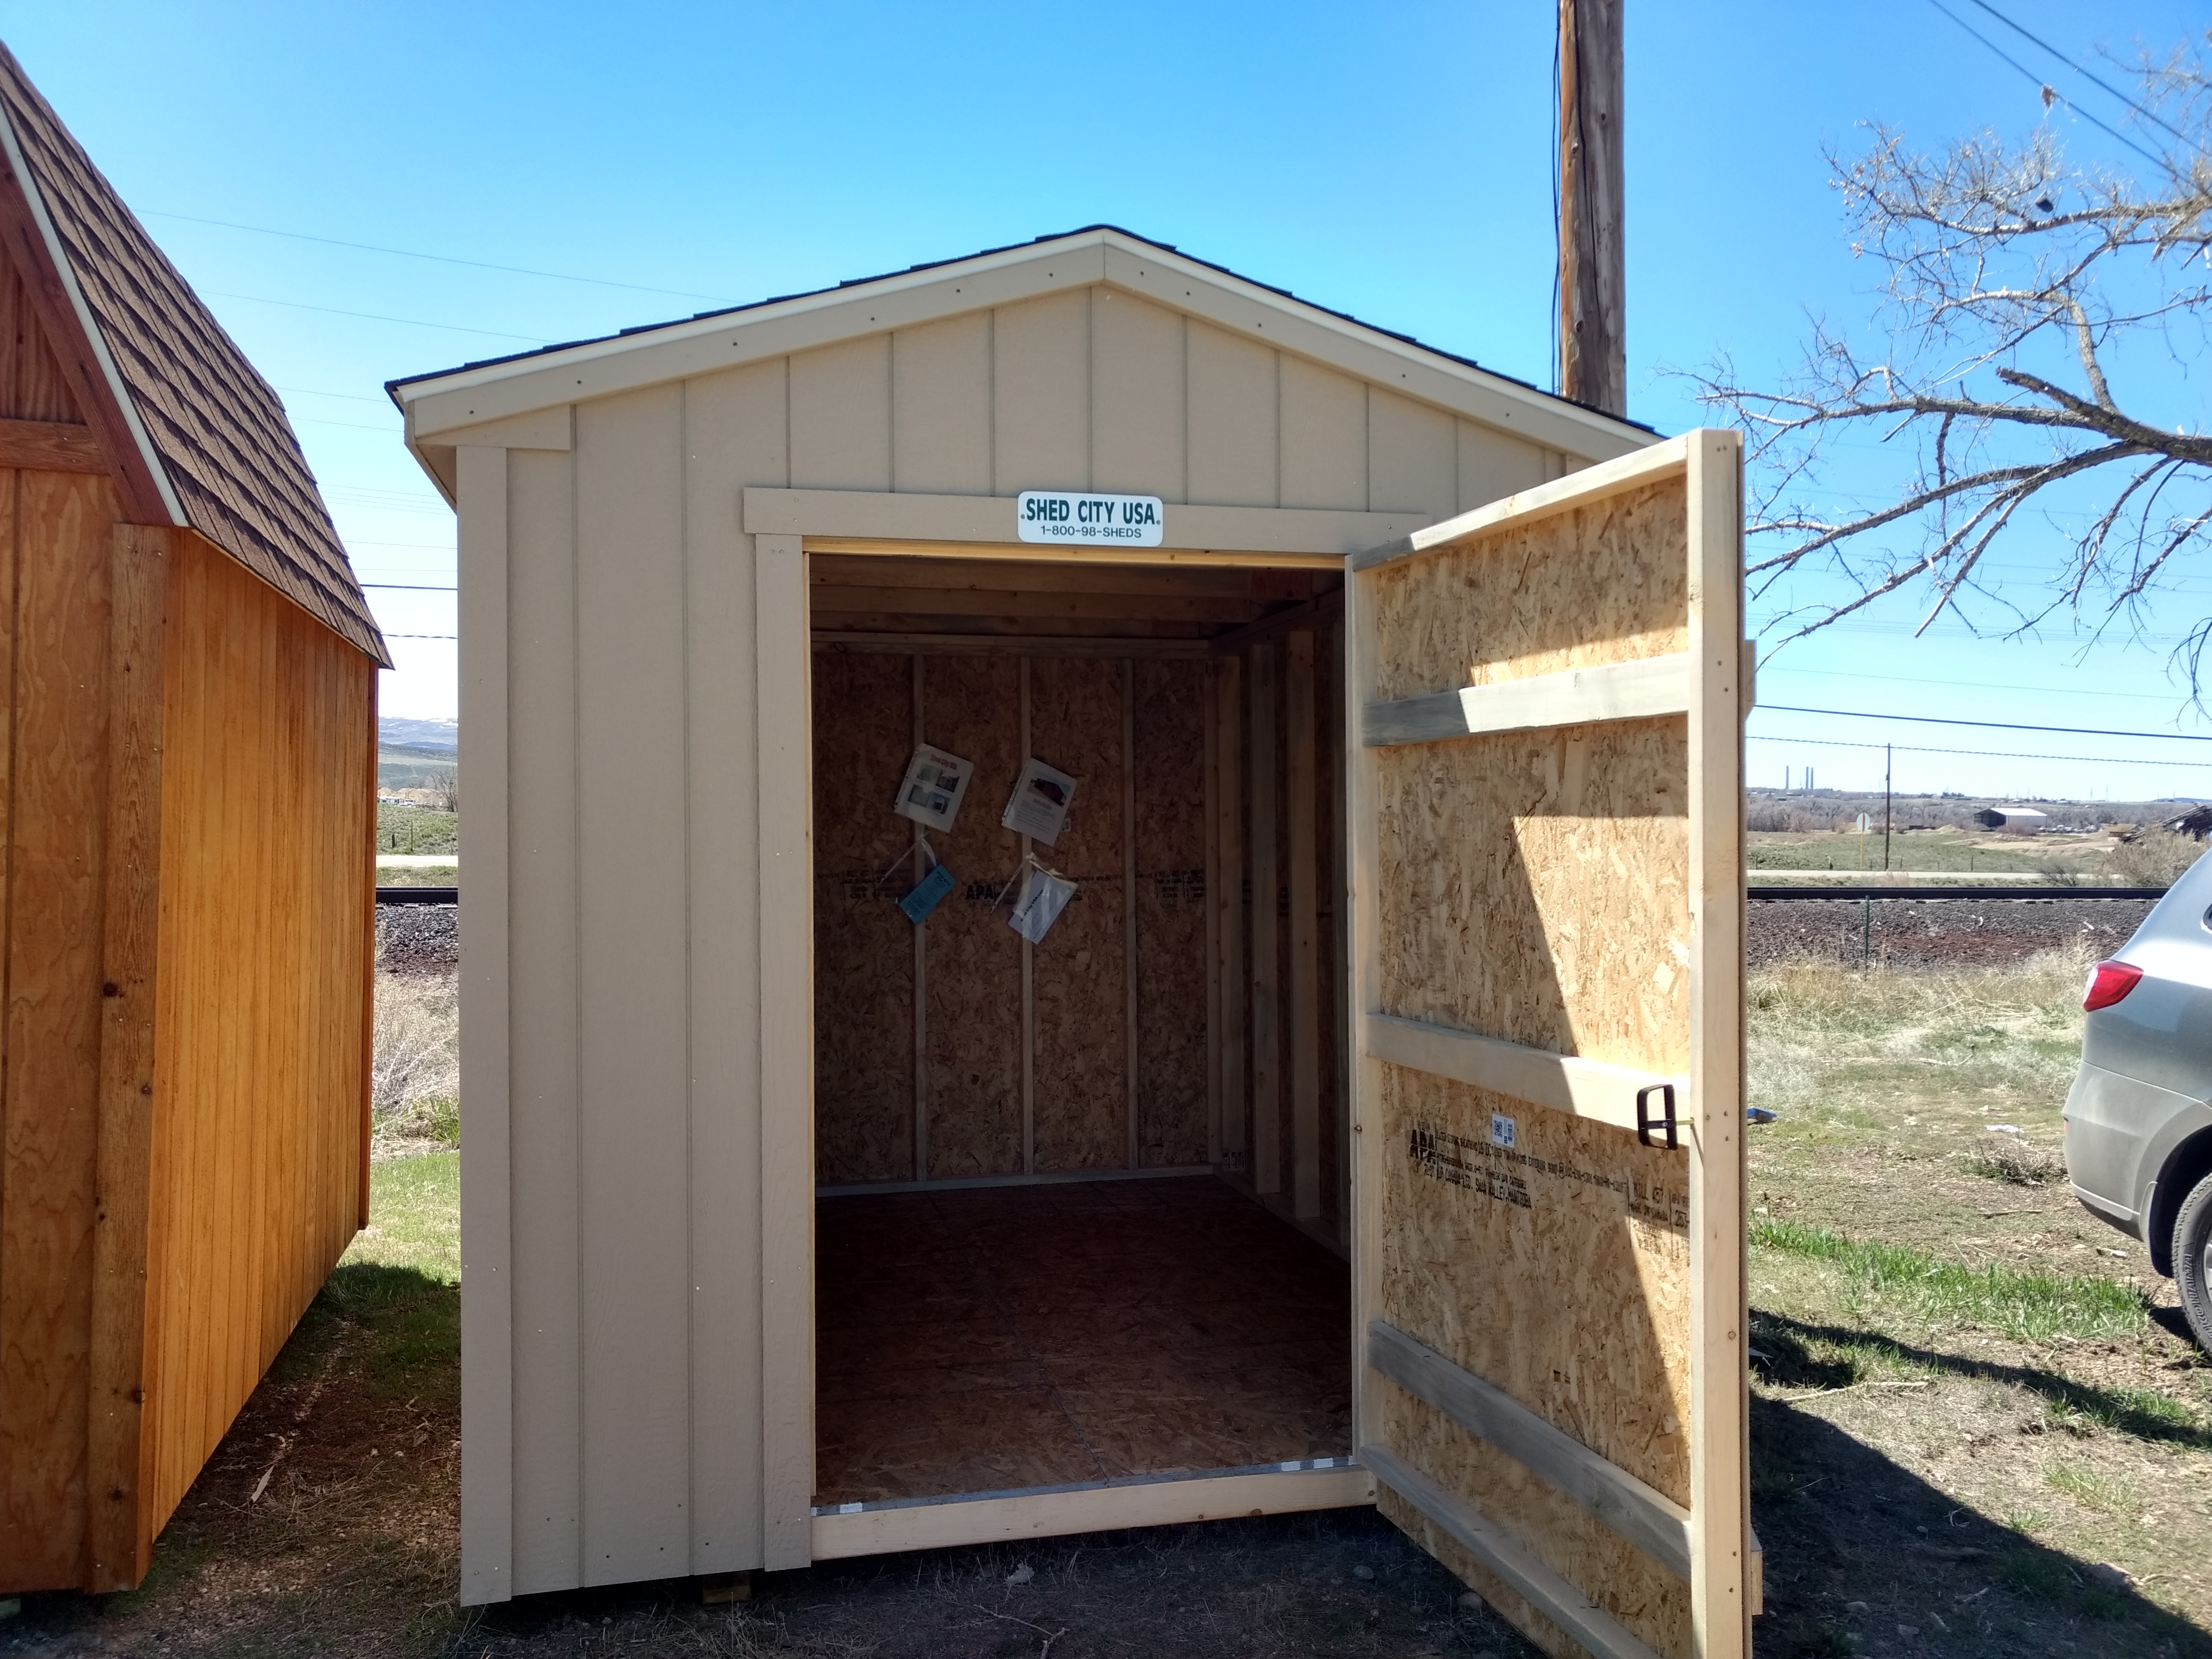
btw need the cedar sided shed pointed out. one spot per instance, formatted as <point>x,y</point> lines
<point>1299,1164</point>
<point>187,907</point>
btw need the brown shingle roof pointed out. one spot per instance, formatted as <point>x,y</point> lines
<point>205,439</point>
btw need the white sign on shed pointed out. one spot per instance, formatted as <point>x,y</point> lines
<point>1090,520</point>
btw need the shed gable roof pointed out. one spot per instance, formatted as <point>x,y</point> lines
<point>196,436</point>
<point>453,399</point>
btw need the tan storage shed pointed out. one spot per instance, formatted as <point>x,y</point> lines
<point>1297,1164</point>
<point>187,836</point>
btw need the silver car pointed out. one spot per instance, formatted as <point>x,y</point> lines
<point>2138,1124</point>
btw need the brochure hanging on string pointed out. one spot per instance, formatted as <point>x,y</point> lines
<point>1039,806</point>
<point>1045,893</point>
<point>934,786</point>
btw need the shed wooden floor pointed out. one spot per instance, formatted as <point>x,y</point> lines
<point>994,1338</point>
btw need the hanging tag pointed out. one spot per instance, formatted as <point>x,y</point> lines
<point>928,893</point>
<point>1038,808</point>
<point>932,791</point>
<point>1043,897</point>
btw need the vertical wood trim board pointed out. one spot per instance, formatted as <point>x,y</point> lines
<point>1363,995</point>
<point>487,1239</point>
<point>1720,1462</point>
<point>50,1086</point>
<point>369,787</point>
<point>1129,1156</point>
<point>922,954</point>
<point>787,1053</point>
<point>724,957</point>
<point>1304,929</point>
<point>1339,887</point>
<point>1267,883</point>
<point>1212,809</point>
<point>1229,906</point>
<point>1029,968</point>
<point>121,1534</point>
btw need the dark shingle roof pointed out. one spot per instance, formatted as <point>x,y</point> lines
<point>212,435</point>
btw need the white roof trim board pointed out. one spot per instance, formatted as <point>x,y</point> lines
<point>449,402</point>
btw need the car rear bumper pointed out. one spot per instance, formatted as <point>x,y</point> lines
<point>2113,1124</point>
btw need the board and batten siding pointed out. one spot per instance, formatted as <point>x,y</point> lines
<point>623,1409</point>
<point>258,1176</point>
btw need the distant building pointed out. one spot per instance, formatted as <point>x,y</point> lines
<point>2014,820</point>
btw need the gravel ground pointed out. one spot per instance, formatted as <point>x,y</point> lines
<point>425,939</point>
<point>1918,932</point>
<point>418,938</point>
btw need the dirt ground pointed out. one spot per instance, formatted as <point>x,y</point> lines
<point>1979,1427</point>
<point>327,1524</point>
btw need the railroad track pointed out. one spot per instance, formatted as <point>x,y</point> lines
<point>1808,890</point>
<point>2030,895</point>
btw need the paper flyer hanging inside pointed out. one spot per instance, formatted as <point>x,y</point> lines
<point>1039,807</point>
<point>927,894</point>
<point>1042,897</point>
<point>935,783</point>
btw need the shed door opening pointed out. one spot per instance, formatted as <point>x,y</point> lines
<point>1081,1216</point>
<point>1546,811</point>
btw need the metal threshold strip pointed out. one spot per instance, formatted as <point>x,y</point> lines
<point>840,1530</point>
<point>1293,1467</point>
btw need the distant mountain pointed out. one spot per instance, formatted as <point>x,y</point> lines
<point>420,734</point>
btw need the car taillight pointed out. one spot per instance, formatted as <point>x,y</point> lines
<point>2108,982</point>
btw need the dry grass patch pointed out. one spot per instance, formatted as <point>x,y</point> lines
<point>1973,1415</point>
<point>415,1084</point>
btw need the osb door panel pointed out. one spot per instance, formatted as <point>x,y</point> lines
<point>1544,739</point>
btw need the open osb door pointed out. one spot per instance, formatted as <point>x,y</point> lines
<point>1545,739</point>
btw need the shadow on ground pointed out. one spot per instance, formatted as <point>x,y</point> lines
<point>351,1445</point>
<point>1864,1556</point>
<point>1284,1585</point>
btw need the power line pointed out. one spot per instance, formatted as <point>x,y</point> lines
<point>376,316</point>
<point>440,258</point>
<point>1994,726</point>
<point>1984,754</point>
<point>2090,75</point>
<point>2155,160</point>
<point>350,426</point>
<point>317,392</point>
<point>1908,679</point>
<point>412,587</point>
<point>451,636</point>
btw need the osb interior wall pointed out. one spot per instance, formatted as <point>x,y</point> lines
<point>633,812</point>
<point>1534,886</point>
<point>1324,811</point>
<point>968,1108</point>
<point>261,1014</point>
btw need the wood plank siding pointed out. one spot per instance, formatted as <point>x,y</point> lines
<point>261,1057</point>
<point>187,807</point>
<point>187,802</point>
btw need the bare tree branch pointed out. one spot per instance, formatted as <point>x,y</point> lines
<point>2023,299</point>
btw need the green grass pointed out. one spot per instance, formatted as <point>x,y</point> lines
<point>1918,852</point>
<point>2028,1307</point>
<point>416,829</point>
<point>414,1217</point>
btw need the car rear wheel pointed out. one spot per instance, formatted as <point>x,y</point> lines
<point>2192,1270</point>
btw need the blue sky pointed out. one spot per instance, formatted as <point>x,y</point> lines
<point>1392,161</point>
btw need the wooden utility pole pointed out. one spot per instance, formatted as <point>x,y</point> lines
<point>1593,264</point>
